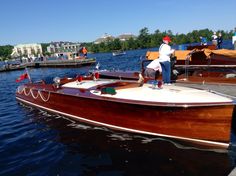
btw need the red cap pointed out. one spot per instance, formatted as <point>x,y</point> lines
<point>167,38</point>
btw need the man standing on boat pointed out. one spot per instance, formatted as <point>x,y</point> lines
<point>219,41</point>
<point>203,40</point>
<point>165,52</point>
<point>162,64</point>
<point>234,39</point>
<point>214,39</point>
<point>83,51</point>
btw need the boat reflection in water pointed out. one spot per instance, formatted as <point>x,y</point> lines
<point>197,116</point>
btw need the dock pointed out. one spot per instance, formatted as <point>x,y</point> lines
<point>50,64</point>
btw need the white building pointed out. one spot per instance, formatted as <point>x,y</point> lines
<point>105,38</point>
<point>125,37</point>
<point>29,50</point>
<point>56,47</point>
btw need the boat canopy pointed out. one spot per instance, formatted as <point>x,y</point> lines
<point>223,52</point>
<point>180,54</point>
<point>184,54</point>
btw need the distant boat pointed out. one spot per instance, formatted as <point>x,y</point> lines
<point>118,53</point>
<point>11,65</point>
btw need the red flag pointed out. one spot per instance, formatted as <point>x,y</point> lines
<point>22,77</point>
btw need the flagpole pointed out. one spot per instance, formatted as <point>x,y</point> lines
<point>26,69</point>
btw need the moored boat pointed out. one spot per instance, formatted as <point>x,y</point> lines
<point>203,66</point>
<point>188,114</point>
<point>196,66</point>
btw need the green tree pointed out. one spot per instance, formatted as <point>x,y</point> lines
<point>5,51</point>
<point>102,47</point>
<point>44,47</point>
<point>131,44</point>
<point>116,44</point>
<point>144,38</point>
<point>94,48</point>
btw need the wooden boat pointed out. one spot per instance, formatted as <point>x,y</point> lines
<point>197,66</point>
<point>208,66</point>
<point>192,47</point>
<point>7,68</point>
<point>62,63</point>
<point>50,64</point>
<point>196,116</point>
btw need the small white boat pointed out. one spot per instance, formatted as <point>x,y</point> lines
<point>118,53</point>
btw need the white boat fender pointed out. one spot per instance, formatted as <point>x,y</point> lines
<point>231,75</point>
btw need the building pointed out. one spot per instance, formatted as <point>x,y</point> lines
<point>125,37</point>
<point>28,50</point>
<point>104,38</point>
<point>58,47</point>
<point>107,38</point>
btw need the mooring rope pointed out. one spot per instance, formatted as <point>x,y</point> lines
<point>20,91</point>
<point>39,93</point>
<point>27,94</point>
<point>42,97</point>
<point>35,97</point>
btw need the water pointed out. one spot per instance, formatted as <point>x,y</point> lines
<point>34,142</point>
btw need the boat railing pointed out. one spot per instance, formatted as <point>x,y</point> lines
<point>186,68</point>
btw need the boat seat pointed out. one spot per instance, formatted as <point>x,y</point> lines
<point>120,85</point>
<point>129,85</point>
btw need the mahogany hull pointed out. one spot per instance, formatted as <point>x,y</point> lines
<point>208,75</point>
<point>207,125</point>
<point>200,59</point>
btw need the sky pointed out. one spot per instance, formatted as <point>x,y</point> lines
<point>43,21</point>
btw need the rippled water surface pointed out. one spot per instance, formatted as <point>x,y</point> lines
<point>34,142</point>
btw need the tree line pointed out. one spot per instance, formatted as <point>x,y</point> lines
<point>151,40</point>
<point>143,40</point>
